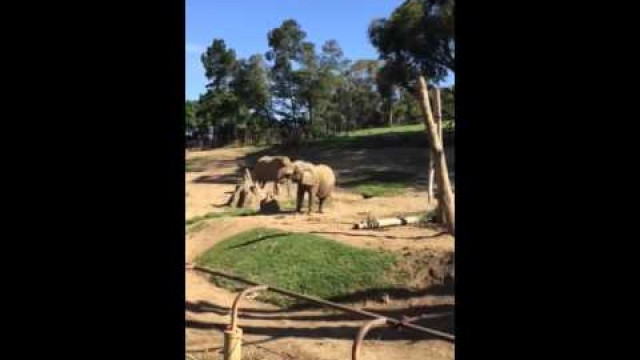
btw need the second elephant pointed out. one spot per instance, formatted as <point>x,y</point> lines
<point>272,168</point>
<point>313,180</point>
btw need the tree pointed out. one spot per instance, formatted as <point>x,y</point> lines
<point>250,84</point>
<point>363,94</point>
<point>333,66</point>
<point>286,43</point>
<point>417,41</point>
<point>218,106</point>
<point>190,108</point>
<point>219,65</point>
<point>448,103</point>
<point>387,89</point>
<point>318,79</point>
<point>251,90</point>
<point>405,108</point>
<point>307,79</point>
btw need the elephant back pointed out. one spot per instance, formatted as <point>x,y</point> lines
<point>267,168</point>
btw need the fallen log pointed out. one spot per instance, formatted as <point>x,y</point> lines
<point>373,223</point>
<point>246,193</point>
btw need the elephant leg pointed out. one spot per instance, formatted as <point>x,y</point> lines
<point>276,190</point>
<point>320,202</point>
<point>310,203</point>
<point>299,198</point>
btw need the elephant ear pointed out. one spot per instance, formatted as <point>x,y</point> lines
<point>308,178</point>
<point>287,171</point>
<point>283,172</point>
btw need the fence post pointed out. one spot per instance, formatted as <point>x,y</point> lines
<point>233,344</point>
<point>233,335</point>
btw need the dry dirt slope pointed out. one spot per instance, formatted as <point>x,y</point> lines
<point>271,333</point>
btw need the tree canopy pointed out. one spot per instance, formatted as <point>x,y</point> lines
<point>297,84</point>
<point>417,39</point>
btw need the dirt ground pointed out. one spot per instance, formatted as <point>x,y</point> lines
<point>272,333</point>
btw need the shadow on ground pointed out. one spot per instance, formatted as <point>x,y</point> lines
<point>443,324</point>
<point>355,166</point>
<point>229,179</point>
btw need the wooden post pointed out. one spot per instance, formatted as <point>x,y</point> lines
<point>445,194</point>
<point>233,344</point>
<point>437,115</point>
<point>438,118</point>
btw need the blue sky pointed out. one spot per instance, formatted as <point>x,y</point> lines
<point>244,25</point>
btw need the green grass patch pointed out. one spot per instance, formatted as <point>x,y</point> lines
<point>288,204</point>
<point>196,227</point>
<point>401,129</point>
<point>379,183</point>
<point>375,137</point>
<point>304,263</point>
<point>196,164</point>
<point>380,189</point>
<point>229,212</point>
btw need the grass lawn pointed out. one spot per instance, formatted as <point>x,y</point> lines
<point>372,189</point>
<point>304,263</point>
<point>196,223</point>
<point>388,130</point>
<point>374,137</point>
<point>379,183</point>
<point>196,164</point>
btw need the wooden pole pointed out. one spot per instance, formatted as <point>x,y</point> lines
<point>437,115</point>
<point>233,344</point>
<point>445,194</point>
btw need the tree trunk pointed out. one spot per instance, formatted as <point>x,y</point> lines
<point>390,113</point>
<point>438,120</point>
<point>431,177</point>
<point>437,115</point>
<point>247,194</point>
<point>445,194</point>
<point>235,135</point>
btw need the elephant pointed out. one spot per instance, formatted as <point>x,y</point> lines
<point>314,180</point>
<point>272,168</point>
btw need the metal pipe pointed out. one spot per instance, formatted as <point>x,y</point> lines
<point>365,328</point>
<point>330,304</point>
<point>236,303</point>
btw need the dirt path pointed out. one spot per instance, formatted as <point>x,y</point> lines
<point>271,333</point>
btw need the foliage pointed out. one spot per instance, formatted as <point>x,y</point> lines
<point>287,47</point>
<point>417,39</point>
<point>231,212</point>
<point>374,189</point>
<point>316,91</point>
<point>219,64</point>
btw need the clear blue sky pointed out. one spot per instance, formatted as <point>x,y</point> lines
<point>244,25</point>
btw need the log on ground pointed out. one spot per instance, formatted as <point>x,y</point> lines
<point>379,223</point>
